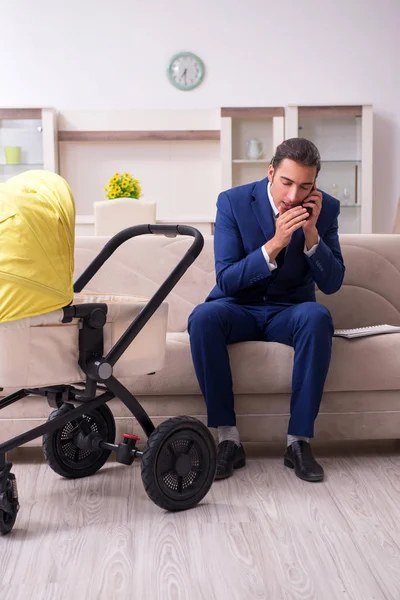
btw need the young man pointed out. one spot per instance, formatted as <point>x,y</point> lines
<point>274,240</point>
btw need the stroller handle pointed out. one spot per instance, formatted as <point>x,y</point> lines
<point>155,301</point>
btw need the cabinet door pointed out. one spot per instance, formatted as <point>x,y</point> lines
<point>27,141</point>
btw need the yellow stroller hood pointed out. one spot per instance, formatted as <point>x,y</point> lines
<point>37,227</point>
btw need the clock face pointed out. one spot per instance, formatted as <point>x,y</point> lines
<point>185,71</point>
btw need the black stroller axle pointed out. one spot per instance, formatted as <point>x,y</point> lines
<point>126,451</point>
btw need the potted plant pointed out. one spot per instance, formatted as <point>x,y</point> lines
<point>123,186</point>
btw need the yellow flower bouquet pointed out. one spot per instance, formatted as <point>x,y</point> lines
<point>123,186</point>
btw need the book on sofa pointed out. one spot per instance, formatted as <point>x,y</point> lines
<point>364,331</point>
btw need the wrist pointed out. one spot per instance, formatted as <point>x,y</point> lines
<point>272,248</point>
<point>311,238</point>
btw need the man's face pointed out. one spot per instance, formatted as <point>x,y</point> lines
<point>291,183</point>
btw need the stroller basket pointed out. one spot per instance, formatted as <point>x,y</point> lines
<point>96,340</point>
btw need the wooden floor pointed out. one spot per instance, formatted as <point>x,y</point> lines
<point>263,534</point>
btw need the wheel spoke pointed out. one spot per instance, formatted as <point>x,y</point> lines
<point>166,473</point>
<point>172,452</point>
<point>76,454</point>
<point>180,482</point>
<point>71,432</point>
<point>67,440</point>
<point>197,469</point>
<point>189,446</point>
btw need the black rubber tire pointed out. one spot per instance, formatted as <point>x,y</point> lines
<point>7,522</point>
<point>65,458</point>
<point>7,519</point>
<point>178,438</point>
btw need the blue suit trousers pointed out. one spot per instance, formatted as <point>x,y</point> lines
<point>307,327</point>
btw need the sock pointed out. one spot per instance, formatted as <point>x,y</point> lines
<point>228,433</point>
<point>296,438</point>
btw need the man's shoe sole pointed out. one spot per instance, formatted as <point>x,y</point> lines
<point>241,463</point>
<point>288,463</point>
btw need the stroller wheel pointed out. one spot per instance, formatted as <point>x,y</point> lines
<point>9,497</point>
<point>179,463</point>
<point>63,454</point>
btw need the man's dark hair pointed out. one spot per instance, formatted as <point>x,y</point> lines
<point>300,150</point>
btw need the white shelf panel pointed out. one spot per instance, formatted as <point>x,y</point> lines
<point>354,161</point>
<point>20,165</point>
<point>259,161</point>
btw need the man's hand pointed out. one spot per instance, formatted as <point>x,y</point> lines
<point>286,224</point>
<point>314,202</point>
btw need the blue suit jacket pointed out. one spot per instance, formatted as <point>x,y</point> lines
<point>244,223</point>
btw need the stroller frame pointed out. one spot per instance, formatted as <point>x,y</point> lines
<point>99,378</point>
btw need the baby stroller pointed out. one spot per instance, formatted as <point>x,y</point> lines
<point>69,347</point>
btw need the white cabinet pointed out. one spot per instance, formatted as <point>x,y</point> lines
<point>27,140</point>
<point>243,131</point>
<point>343,135</point>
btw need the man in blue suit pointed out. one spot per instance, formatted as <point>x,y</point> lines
<point>274,240</point>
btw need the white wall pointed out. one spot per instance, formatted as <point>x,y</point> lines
<point>113,55</point>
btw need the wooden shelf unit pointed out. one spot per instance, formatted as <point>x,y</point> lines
<point>37,138</point>
<point>344,137</point>
<point>237,126</point>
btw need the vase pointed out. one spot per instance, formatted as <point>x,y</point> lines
<point>12,155</point>
<point>254,149</point>
<point>111,216</point>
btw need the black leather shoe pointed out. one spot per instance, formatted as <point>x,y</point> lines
<point>230,456</point>
<point>298,456</point>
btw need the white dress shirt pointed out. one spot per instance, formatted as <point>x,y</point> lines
<point>272,264</point>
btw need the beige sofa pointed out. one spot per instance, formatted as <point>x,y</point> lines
<point>362,392</point>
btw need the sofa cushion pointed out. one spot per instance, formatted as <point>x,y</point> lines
<point>370,363</point>
<point>369,295</point>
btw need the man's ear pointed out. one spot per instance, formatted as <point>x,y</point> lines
<point>270,173</point>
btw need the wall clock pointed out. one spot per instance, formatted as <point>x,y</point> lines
<point>185,71</point>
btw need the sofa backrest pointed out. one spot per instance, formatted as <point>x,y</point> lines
<point>370,294</point>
